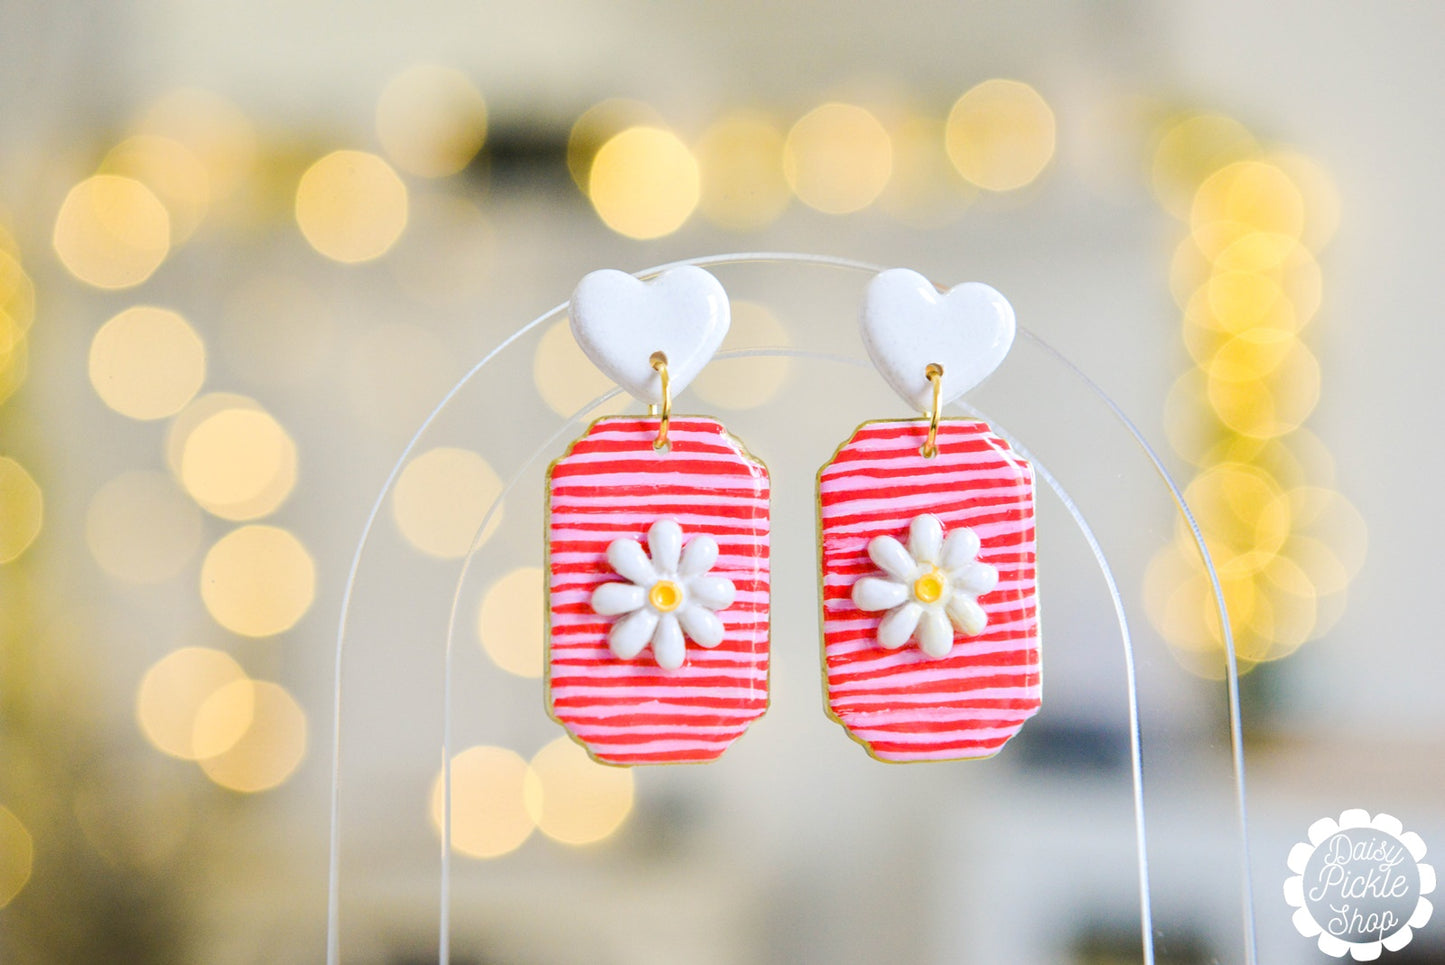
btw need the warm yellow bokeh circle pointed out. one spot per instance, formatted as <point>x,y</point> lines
<point>1000,134</point>
<point>572,798</point>
<point>838,158</point>
<point>431,120</point>
<point>271,746</point>
<point>644,183</point>
<point>509,622</point>
<point>489,811</point>
<point>141,528</point>
<point>442,497</point>
<point>258,581</point>
<point>22,509</point>
<point>147,362</point>
<point>238,463</point>
<point>173,691</point>
<point>351,206</point>
<point>112,231</point>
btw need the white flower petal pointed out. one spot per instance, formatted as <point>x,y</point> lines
<point>701,625</point>
<point>713,592</point>
<point>935,633</point>
<point>960,549</point>
<point>630,562</point>
<point>872,593</point>
<point>668,647</point>
<point>892,558</point>
<point>664,542</point>
<point>610,599</point>
<point>966,614</point>
<point>975,578</point>
<point>898,625</point>
<point>925,538</point>
<point>698,557</point>
<point>630,634</point>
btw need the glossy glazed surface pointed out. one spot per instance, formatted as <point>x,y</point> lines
<point>903,704</point>
<point>613,486</point>
<point>908,324</point>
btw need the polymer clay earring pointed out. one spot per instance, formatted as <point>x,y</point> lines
<point>657,541</point>
<point>926,541</point>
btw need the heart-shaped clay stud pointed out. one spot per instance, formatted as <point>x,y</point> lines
<point>908,324</point>
<point>620,321</point>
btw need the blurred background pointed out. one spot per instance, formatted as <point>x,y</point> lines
<point>246,248</point>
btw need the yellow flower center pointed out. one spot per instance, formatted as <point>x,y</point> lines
<point>665,595</point>
<point>929,587</point>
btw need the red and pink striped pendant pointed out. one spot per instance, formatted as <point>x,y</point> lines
<point>929,597</point>
<point>659,616</point>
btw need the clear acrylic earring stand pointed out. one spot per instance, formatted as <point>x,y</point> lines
<point>1119,811</point>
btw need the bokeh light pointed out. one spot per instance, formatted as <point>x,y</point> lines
<point>572,798</point>
<point>17,292</point>
<point>1262,407</point>
<point>201,409</point>
<point>597,125</point>
<point>258,581</point>
<point>441,499</point>
<point>509,622</point>
<point>238,463</point>
<point>17,855</point>
<point>172,692</point>
<point>141,528</point>
<point>489,811</point>
<point>566,379</point>
<point>212,128</point>
<point>1240,512</point>
<point>1249,285</point>
<point>431,120</point>
<point>351,206</point>
<point>1317,188</point>
<point>1244,198</point>
<point>270,748</point>
<point>14,357</point>
<point>838,158</point>
<point>1000,135</point>
<point>223,717</point>
<point>22,509</point>
<point>740,157</point>
<point>147,362</point>
<point>1189,150</point>
<point>172,172</point>
<point>749,382</point>
<point>112,232</point>
<point>644,183</point>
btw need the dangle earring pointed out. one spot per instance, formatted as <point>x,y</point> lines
<point>926,541</point>
<point>657,541</point>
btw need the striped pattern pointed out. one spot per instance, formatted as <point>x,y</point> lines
<point>612,484</point>
<point>901,705</point>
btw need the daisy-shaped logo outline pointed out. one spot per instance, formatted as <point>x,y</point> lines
<point>930,588</point>
<point>1294,887</point>
<point>668,595</point>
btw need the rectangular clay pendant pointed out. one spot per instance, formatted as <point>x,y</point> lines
<point>901,703</point>
<point>612,486</point>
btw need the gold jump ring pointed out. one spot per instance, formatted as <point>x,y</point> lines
<point>659,365</point>
<point>935,375</point>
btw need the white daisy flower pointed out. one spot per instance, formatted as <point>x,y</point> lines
<point>932,586</point>
<point>668,595</point>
